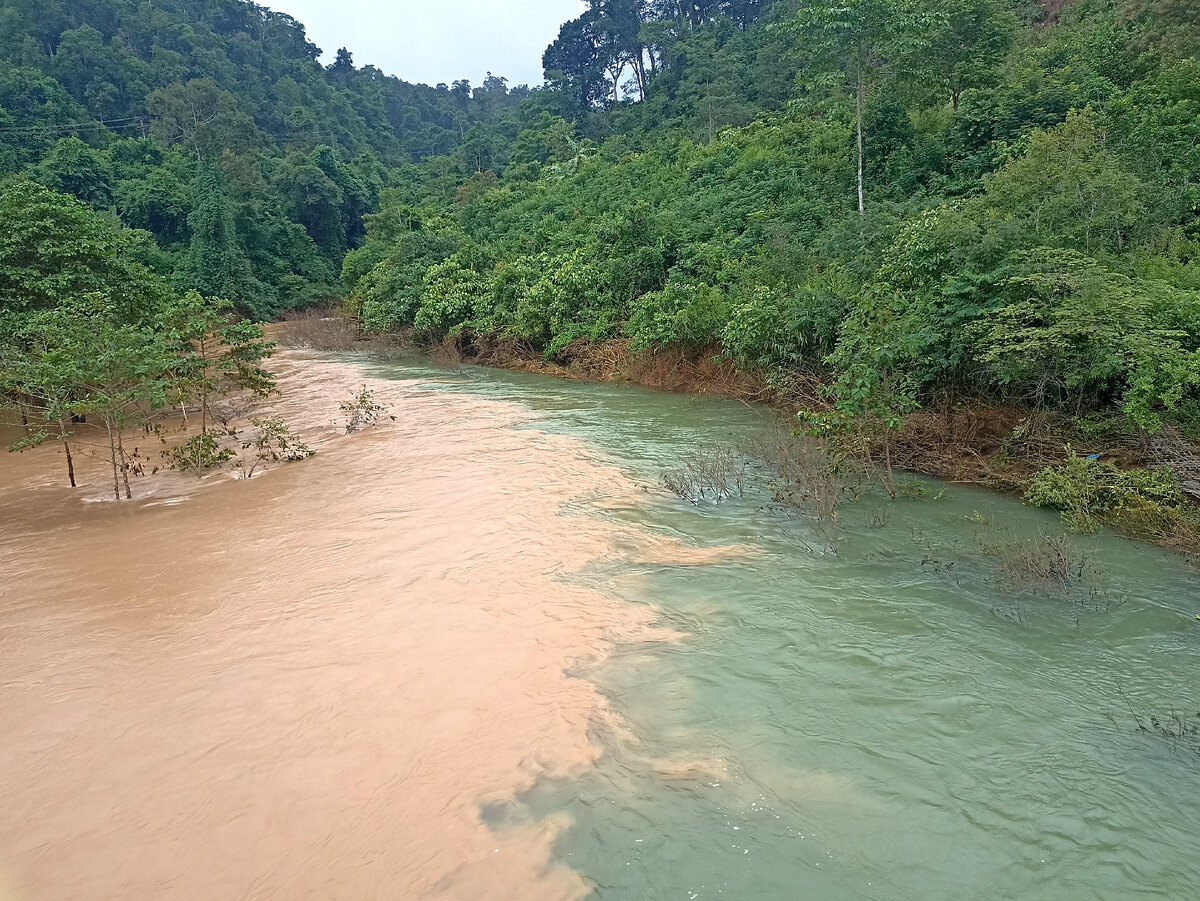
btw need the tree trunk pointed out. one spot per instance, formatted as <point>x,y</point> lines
<point>862,90</point>
<point>124,467</point>
<point>615,72</point>
<point>639,69</point>
<point>204,386</point>
<point>62,430</point>
<point>112,456</point>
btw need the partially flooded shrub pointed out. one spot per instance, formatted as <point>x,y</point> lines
<point>1180,731</point>
<point>274,443</point>
<point>803,475</point>
<point>714,475</point>
<point>916,490</point>
<point>1047,559</point>
<point>318,330</point>
<point>1042,563</point>
<point>362,410</point>
<point>1142,503</point>
<point>199,453</point>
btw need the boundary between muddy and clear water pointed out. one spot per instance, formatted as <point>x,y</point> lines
<point>962,440</point>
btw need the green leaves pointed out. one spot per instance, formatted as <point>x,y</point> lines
<point>1077,334</point>
<point>1143,502</point>
<point>85,332</point>
<point>216,265</point>
<point>1069,189</point>
<point>53,248</point>
<point>74,168</point>
<point>682,314</point>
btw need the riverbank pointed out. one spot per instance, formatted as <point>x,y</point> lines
<point>965,441</point>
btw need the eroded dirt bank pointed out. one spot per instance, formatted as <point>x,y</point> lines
<point>304,685</point>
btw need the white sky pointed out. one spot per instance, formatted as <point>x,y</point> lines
<point>440,41</point>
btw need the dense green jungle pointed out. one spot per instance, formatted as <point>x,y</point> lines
<point>958,237</point>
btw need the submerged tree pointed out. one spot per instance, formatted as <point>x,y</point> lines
<point>71,303</point>
<point>38,381</point>
<point>79,358</point>
<point>217,354</point>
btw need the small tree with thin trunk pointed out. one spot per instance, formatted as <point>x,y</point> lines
<point>856,40</point>
<point>274,442</point>
<point>38,381</point>
<point>218,355</point>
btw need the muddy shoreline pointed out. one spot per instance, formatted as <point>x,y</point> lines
<point>965,443</point>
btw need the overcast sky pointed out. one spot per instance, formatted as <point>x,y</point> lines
<point>439,41</point>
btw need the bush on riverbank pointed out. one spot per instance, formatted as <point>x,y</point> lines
<point>1140,503</point>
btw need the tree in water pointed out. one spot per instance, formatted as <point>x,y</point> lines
<point>65,277</point>
<point>217,354</point>
<point>85,331</point>
<point>119,372</point>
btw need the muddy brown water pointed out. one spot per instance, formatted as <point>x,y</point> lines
<point>306,684</point>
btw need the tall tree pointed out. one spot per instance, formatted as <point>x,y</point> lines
<point>968,40</point>
<point>858,38</point>
<point>576,61</point>
<point>215,264</point>
<point>201,117</point>
<point>74,168</point>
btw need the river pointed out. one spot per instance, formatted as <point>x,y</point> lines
<point>477,651</point>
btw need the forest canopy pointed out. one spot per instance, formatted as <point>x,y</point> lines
<point>912,198</point>
<point>211,126</point>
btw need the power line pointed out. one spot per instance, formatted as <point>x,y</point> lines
<point>127,122</point>
<point>143,123</point>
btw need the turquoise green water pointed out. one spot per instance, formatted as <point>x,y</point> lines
<point>893,720</point>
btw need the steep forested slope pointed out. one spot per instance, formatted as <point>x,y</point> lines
<point>1022,185</point>
<point>211,125</point>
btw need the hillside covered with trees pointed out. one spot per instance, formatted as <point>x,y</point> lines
<point>885,206</point>
<point>210,126</point>
<point>899,206</point>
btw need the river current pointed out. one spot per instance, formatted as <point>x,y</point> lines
<point>478,651</point>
